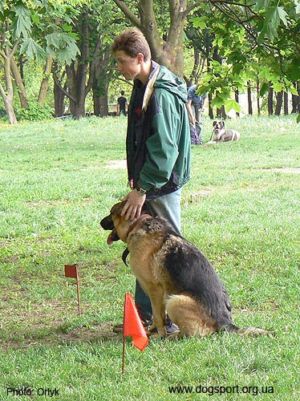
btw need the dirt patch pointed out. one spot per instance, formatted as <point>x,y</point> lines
<point>284,170</point>
<point>116,164</point>
<point>58,202</point>
<point>83,334</point>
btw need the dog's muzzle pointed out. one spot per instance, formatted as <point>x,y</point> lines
<point>108,224</point>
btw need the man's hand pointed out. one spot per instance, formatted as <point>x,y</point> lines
<point>133,206</point>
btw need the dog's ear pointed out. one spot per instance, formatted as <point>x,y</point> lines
<point>117,208</point>
<point>215,123</point>
<point>222,124</point>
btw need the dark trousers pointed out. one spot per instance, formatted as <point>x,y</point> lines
<point>143,303</point>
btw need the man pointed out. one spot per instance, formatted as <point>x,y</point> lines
<point>121,105</point>
<point>158,139</point>
<point>194,106</point>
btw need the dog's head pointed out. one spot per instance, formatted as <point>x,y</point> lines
<point>218,126</point>
<point>113,222</point>
<point>119,226</point>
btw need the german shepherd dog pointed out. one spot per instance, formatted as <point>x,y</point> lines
<point>176,276</point>
<point>220,134</point>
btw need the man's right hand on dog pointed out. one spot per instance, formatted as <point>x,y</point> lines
<point>133,206</point>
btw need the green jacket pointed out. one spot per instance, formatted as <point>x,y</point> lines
<point>158,135</point>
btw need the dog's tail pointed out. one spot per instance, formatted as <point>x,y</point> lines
<point>246,331</point>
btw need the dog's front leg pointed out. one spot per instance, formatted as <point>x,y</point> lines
<point>156,296</point>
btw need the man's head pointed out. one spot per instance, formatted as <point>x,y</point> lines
<point>122,93</point>
<point>132,53</point>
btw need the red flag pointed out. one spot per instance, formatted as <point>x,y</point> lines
<point>71,271</point>
<point>132,324</point>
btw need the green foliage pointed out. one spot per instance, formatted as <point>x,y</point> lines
<point>35,112</point>
<point>62,46</point>
<point>22,22</point>
<point>31,48</point>
<point>257,42</point>
<point>273,15</point>
<point>40,28</point>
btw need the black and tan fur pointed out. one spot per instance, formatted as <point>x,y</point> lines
<point>176,276</point>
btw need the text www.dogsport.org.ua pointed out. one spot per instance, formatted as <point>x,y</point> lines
<point>213,390</point>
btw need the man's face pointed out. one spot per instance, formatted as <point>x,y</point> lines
<point>129,67</point>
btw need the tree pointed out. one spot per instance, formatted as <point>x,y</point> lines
<point>15,26</point>
<point>166,49</point>
<point>8,93</point>
<point>28,28</point>
<point>256,40</point>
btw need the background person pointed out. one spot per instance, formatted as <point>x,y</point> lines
<point>195,105</point>
<point>121,105</point>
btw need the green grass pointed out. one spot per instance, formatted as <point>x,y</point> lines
<point>241,208</point>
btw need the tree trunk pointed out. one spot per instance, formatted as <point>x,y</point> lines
<point>59,100</point>
<point>77,99</point>
<point>257,97</point>
<point>296,99</point>
<point>8,104</point>
<point>173,47</point>
<point>101,71</point>
<point>45,81</point>
<point>270,101</point>
<point>77,71</point>
<point>286,103</point>
<point>221,113</point>
<point>279,98</point>
<point>250,108</point>
<point>236,97</point>
<point>210,109</point>
<point>170,52</point>
<point>19,83</point>
<point>21,63</point>
<point>100,105</point>
<point>9,96</point>
<point>194,75</point>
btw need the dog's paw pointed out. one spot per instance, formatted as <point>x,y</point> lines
<point>150,330</point>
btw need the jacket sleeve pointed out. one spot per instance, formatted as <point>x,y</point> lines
<point>162,145</point>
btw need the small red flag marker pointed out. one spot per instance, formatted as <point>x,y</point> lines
<point>72,271</point>
<point>133,327</point>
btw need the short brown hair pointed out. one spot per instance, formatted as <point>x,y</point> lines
<point>132,41</point>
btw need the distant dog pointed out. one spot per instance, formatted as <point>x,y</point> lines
<point>176,276</point>
<point>220,134</point>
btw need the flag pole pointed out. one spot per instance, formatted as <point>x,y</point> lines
<point>124,339</point>
<point>72,271</point>
<point>78,294</point>
<point>123,354</point>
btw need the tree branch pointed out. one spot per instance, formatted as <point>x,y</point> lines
<point>124,80</point>
<point>191,7</point>
<point>14,48</point>
<point>62,89</point>
<point>2,91</point>
<point>129,14</point>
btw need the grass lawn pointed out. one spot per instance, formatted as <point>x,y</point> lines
<point>241,208</point>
